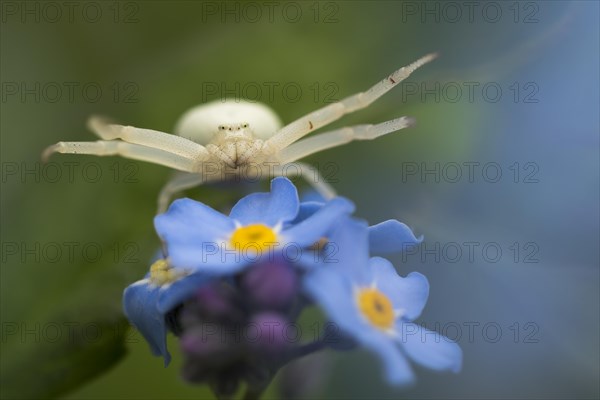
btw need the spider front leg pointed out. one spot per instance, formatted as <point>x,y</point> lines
<point>147,137</point>
<point>127,150</point>
<point>341,136</point>
<point>178,183</point>
<point>332,112</point>
<point>310,175</point>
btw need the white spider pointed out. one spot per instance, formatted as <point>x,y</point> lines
<point>225,139</point>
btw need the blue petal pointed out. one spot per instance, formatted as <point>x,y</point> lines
<point>348,249</point>
<point>281,205</point>
<point>209,259</point>
<point>319,224</point>
<point>312,196</point>
<point>391,236</point>
<point>139,304</point>
<point>409,294</point>
<point>309,259</point>
<point>430,349</point>
<point>306,210</point>
<point>215,260</point>
<point>192,223</point>
<point>396,366</point>
<point>334,294</point>
<point>179,291</point>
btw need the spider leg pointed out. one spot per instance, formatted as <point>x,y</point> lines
<point>341,136</point>
<point>147,137</point>
<point>332,112</point>
<point>124,149</point>
<point>310,175</point>
<point>176,184</point>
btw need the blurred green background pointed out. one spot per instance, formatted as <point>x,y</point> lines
<point>77,231</point>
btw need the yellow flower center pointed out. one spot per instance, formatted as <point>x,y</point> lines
<point>257,237</point>
<point>376,308</point>
<point>162,273</point>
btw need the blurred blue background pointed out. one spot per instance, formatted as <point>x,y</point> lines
<point>524,304</point>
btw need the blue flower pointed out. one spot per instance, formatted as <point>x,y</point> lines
<point>201,239</point>
<point>372,304</point>
<point>147,301</point>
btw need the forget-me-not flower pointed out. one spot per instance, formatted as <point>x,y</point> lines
<point>147,301</point>
<point>200,239</point>
<point>373,305</point>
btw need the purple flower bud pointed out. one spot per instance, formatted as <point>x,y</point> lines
<point>213,301</point>
<point>198,343</point>
<point>271,285</point>
<point>217,303</point>
<point>269,332</point>
<point>211,345</point>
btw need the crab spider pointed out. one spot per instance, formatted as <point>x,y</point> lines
<point>219,140</point>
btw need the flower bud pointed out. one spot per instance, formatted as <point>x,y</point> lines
<point>271,285</point>
<point>270,334</point>
<point>212,301</point>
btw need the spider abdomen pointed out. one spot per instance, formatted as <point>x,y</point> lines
<point>215,121</point>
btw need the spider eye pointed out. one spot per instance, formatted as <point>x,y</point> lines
<point>244,125</point>
<point>221,127</point>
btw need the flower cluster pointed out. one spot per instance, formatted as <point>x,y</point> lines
<point>233,286</point>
